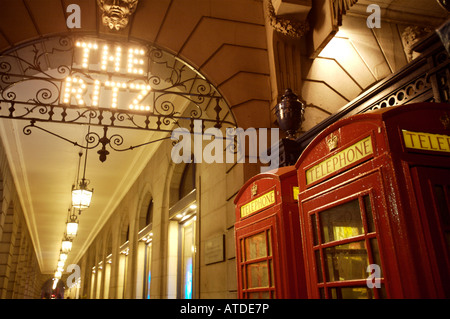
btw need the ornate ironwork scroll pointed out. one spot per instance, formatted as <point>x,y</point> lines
<point>106,84</point>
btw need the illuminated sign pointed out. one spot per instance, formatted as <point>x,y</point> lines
<point>258,203</point>
<point>108,74</point>
<point>340,160</point>
<point>426,141</point>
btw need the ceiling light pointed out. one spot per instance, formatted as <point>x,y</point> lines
<point>81,195</point>
<point>66,245</point>
<point>72,226</point>
<point>63,256</point>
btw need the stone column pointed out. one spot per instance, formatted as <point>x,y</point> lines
<point>6,250</point>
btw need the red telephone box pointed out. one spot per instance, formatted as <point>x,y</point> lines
<point>268,241</point>
<point>375,190</point>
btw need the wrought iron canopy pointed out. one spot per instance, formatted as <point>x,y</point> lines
<point>109,84</point>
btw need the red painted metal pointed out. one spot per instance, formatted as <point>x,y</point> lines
<point>408,189</point>
<point>277,221</point>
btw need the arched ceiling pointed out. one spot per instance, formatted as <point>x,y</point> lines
<point>221,39</point>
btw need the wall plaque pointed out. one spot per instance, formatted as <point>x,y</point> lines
<point>214,250</point>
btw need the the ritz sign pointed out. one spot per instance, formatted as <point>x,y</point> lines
<point>112,69</point>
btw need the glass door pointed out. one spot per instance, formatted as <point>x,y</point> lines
<point>187,258</point>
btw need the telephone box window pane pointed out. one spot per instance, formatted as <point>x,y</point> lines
<point>259,295</point>
<point>257,275</point>
<point>340,222</point>
<point>255,246</point>
<point>376,254</point>
<point>382,292</point>
<point>269,243</point>
<point>314,229</point>
<point>369,215</point>
<point>351,293</point>
<point>319,266</point>
<point>272,283</point>
<point>322,293</point>
<point>253,295</point>
<point>346,262</point>
<point>265,295</point>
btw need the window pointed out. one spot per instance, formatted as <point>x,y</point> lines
<point>144,258</point>
<point>183,239</point>
<point>147,270</point>
<point>344,244</point>
<point>187,258</point>
<point>257,266</point>
<point>187,183</point>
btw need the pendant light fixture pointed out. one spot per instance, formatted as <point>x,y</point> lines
<point>72,226</point>
<point>81,195</point>
<point>62,256</point>
<point>66,245</point>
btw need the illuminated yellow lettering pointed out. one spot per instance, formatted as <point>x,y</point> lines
<point>426,141</point>
<point>340,160</point>
<point>258,204</point>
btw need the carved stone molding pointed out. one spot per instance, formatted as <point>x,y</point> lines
<point>410,36</point>
<point>288,26</point>
<point>340,8</point>
<point>116,13</point>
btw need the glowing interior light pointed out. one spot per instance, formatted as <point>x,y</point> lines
<point>72,228</point>
<point>81,198</point>
<point>63,257</point>
<point>66,246</point>
<point>57,276</point>
<point>61,263</point>
<point>188,280</point>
